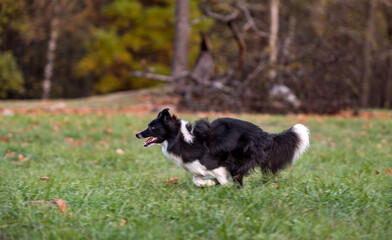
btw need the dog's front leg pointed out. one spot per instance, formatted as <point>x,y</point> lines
<point>222,175</point>
<point>200,182</point>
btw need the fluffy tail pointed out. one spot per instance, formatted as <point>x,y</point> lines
<point>287,147</point>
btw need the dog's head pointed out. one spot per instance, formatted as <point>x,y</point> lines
<point>159,129</point>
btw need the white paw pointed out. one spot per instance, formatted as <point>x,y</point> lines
<point>200,182</point>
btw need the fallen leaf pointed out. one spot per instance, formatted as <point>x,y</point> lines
<point>275,185</point>
<point>61,205</point>
<point>377,171</point>
<point>388,171</point>
<point>332,144</point>
<point>68,140</point>
<point>172,181</point>
<point>109,131</point>
<point>123,222</point>
<point>21,158</point>
<point>361,153</point>
<point>362,133</point>
<point>119,151</point>
<point>10,154</point>
<point>4,139</point>
<point>44,179</point>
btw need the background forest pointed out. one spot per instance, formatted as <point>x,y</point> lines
<point>297,55</point>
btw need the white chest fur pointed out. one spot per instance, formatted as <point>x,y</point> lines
<point>177,159</point>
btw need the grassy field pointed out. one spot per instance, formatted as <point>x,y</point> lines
<point>333,192</point>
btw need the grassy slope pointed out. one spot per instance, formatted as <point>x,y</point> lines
<point>331,193</point>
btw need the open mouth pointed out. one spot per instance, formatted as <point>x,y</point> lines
<point>151,141</point>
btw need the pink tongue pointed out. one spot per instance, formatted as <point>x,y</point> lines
<point>148,141</point>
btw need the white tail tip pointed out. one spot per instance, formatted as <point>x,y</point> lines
<point>303,144</point>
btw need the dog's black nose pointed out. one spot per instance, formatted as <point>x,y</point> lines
<point>138,135</point>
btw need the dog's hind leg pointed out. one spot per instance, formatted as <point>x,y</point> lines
<point>239,179</point>
<point>200,182</point>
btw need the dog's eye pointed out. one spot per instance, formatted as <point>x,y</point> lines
<point>152,128</point>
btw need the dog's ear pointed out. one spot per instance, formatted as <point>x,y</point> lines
<point>165,115</point>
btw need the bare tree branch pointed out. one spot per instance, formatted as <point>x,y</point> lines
<point>250,22</point>
<point>223,18</point>
<point>229,20</point>
<point>241,45</point>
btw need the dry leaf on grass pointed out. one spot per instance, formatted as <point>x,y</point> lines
<point>361,153</point>
<point>109,131</point>
<point>388,171</point>
<point>60,203</point>
<point>172,181</point>
<point>4,139</point>
<point>119,151</point>
<point>44,179</point>
<point>377,171</point>
<point>10,154</point>
<point>21,158</point>
<point>68,140</point>
<point>123,222</point>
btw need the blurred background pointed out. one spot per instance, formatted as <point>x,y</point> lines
<point>317,56</point>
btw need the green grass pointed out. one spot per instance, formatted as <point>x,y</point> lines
<point>331,193</point>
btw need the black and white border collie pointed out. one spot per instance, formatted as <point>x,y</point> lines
<point>225,148</point>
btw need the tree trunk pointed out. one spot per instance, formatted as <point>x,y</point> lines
<point>388,85</point>
<point>52,45</point>
<point>289,40</point>
<point>279,90</point>
<point>273,39</point>
<point>181,38</point>
<point>367,54</point>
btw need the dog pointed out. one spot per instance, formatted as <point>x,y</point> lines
<point>226,148</point>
